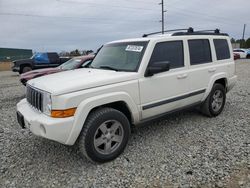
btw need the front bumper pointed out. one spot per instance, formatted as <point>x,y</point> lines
<point>57,129</point>
<point>23,81</point>
<point>15,69</point>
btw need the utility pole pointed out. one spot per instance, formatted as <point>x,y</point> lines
<point>243,35</point>
<point>162,16</point>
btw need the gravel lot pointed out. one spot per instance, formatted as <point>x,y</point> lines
<point>182,150</point>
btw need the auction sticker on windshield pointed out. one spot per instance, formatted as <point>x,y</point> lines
<point>134,48</point>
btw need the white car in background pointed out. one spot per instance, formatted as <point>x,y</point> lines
<point>241,52</point>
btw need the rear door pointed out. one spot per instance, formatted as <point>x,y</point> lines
<point>201,67</point>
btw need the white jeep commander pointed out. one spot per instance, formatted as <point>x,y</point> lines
<point>129,82</point>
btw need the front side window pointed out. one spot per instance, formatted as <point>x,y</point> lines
<point>200,52</point>
<point>124,56</point>
<point>171,51</point>
<point>222,49</point>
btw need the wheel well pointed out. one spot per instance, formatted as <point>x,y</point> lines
<point>25,65</point>
<point>222,81</point>
<point>119,105</point>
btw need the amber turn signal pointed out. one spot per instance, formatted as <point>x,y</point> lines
<point>63,113</point>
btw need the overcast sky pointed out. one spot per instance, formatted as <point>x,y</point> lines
<point>57,25</point>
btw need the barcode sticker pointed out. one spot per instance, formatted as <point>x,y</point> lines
<point>134,48</point>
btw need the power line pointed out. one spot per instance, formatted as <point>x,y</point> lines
<point>110,6</point>
<point>140,1</point>
<point>70,17</point>
<point>204,16</point>
<point>214,17</point>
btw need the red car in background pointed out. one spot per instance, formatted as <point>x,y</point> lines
<point>236,56</point>
<point>74,63</point>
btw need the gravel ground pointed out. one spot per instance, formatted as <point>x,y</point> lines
<point>182,150</point>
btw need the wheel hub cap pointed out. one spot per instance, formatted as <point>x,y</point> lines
<point>217,100</point>
<point>108,137</point>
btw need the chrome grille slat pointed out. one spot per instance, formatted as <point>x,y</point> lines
<point>36,100</point>
<point>34,97</point>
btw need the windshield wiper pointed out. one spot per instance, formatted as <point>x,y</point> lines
<point>109,68</point>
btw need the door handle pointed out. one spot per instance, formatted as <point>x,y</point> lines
<point>212,70</point>
<point>182,76</point>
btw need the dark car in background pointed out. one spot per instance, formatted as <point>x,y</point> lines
<point>74,63</point>
<point>38,61</point>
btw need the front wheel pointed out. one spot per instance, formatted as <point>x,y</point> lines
<point>105,135</point>
<point>26,69</point>
<point>214,103</point>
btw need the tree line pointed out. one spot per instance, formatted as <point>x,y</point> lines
<point>76,52</point>
<point>243,43</point>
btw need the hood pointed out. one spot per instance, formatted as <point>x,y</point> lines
<point>79,79</point>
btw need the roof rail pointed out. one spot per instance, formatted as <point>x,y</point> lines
<point>201,32</point>
<point>189,30</point>
<point>215,31</point>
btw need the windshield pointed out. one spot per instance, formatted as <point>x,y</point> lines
<point>70,64</point>
<point>124,56</point>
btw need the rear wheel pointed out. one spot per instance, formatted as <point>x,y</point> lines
<point>105,135</point>
<point>214,103</point>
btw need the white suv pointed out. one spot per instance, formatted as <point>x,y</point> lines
<point>129,82</point>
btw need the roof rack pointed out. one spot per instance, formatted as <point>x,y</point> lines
<point>201,32</point>
<point>190,31</point>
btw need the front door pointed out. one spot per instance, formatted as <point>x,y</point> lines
<point>165,91</point>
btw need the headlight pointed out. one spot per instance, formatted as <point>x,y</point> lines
<point>47,103</point>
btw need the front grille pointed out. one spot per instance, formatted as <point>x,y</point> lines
<point>34,98</point>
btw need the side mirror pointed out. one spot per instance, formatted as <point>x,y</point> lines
<point>157,67</point>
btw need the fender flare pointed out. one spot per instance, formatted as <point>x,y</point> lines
<point>88,104</point>
<point>212,81</point>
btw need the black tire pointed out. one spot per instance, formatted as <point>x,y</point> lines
<point>95,120</point>
<point>207,108</point>
<point>25,69</point>
<point>248,56</point>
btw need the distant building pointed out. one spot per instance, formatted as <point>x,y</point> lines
<point>11,54</point>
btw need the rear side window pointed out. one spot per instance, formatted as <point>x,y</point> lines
<point>200,52</point>
<point>222,49</point>
<point>171,51</point>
